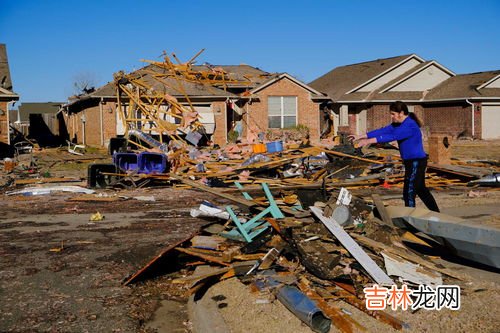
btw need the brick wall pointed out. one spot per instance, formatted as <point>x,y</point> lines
<point>453,120</point>
<point>377,116</point>
<point>219,109</point>
<point>447,119</point>
<point>109,118</point>
<point>4,125</point>
<point>92,126</point>
<point>477,121</point>
<point>308,112</point>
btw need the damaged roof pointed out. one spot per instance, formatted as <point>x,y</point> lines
<point>169,85</point>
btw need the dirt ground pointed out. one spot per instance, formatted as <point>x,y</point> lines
<point>60,272</point>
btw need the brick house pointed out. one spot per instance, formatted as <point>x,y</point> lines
<point>466,104</point>
<point>257,102</point>
<point>446,103</point>
<point>7,96</point>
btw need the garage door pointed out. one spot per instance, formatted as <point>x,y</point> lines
<point>490,121</point>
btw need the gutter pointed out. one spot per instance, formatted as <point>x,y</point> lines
<point>101,121</point>
<point>473,116</point>
<point>8,120</point>
<point>420,100</point>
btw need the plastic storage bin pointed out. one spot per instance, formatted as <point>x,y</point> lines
<point>152,163</point>
<point>259,148</point>
<point>126,161</point>
<point>274,147</point>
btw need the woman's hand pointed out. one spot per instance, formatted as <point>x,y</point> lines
<point>366,142</point>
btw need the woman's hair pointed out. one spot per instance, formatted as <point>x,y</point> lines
<point>399,107</point>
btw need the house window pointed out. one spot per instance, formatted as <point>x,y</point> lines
<point>282,111</point>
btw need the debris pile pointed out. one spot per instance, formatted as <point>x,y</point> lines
<point>302,257</point>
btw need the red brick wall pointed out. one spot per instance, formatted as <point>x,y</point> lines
<point>4,124</point>
<point>93,124</point>
<point>109,121</point>
<point>477,120</point>
<point>377,116</point>
<point>448,119</point>
<point>308,112</point>
<point>219,109</point>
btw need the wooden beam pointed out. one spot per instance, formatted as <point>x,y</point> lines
<point>356,251</point>
<point>381,209</point>
<point>219,193</point>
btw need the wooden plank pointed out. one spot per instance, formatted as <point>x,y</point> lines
<point>377,314</point>
<point>203,256</point>
<point>195,279</point>
<point>333,152</point>
<point>381,209</point>
<point>157,260</point>
<point>219,193</point>
<point>356,251</point>
<point>471,172</point>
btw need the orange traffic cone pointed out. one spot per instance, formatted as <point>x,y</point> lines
<point>386,184</point>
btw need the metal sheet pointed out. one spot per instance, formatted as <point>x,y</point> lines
<point>474,242</point>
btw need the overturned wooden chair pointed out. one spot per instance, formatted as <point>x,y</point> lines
<point>247,231</point>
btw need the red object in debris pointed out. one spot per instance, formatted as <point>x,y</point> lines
<point>386,184</point>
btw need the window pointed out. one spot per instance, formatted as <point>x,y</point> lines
<point>282,111</point>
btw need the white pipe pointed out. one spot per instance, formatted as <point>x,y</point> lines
<point>8,120</point>
<point>473,117</point>
<point>83,127</point>
<point>101,121</point>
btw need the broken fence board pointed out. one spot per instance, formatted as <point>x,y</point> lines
<point>158,260</point>
<point>357,252</point>
<point>381,209</point>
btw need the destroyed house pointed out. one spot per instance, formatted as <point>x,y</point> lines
<point>251,102</point>
<point>41,122</point>
<point>449,104</point>
<point>7,96</point>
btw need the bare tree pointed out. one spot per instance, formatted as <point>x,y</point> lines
<point>84,82</point>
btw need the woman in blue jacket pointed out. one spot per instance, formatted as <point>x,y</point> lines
<point>405,129</point>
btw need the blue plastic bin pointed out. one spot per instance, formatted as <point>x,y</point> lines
<point>274,147</point>
<point>126,161</point>
<point>152,163</point>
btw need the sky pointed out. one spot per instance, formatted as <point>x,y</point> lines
<point>51,44</point>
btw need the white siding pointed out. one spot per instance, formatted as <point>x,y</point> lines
<point>490,118</point>
<point>207,117</point>
<point>384,79</point>
<point>361,122</point>
<point>494,84</point>
<point>425,80</point>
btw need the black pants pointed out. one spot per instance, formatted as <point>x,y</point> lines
<point>415,184</point>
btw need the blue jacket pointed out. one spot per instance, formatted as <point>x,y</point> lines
<point>407,134</point>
